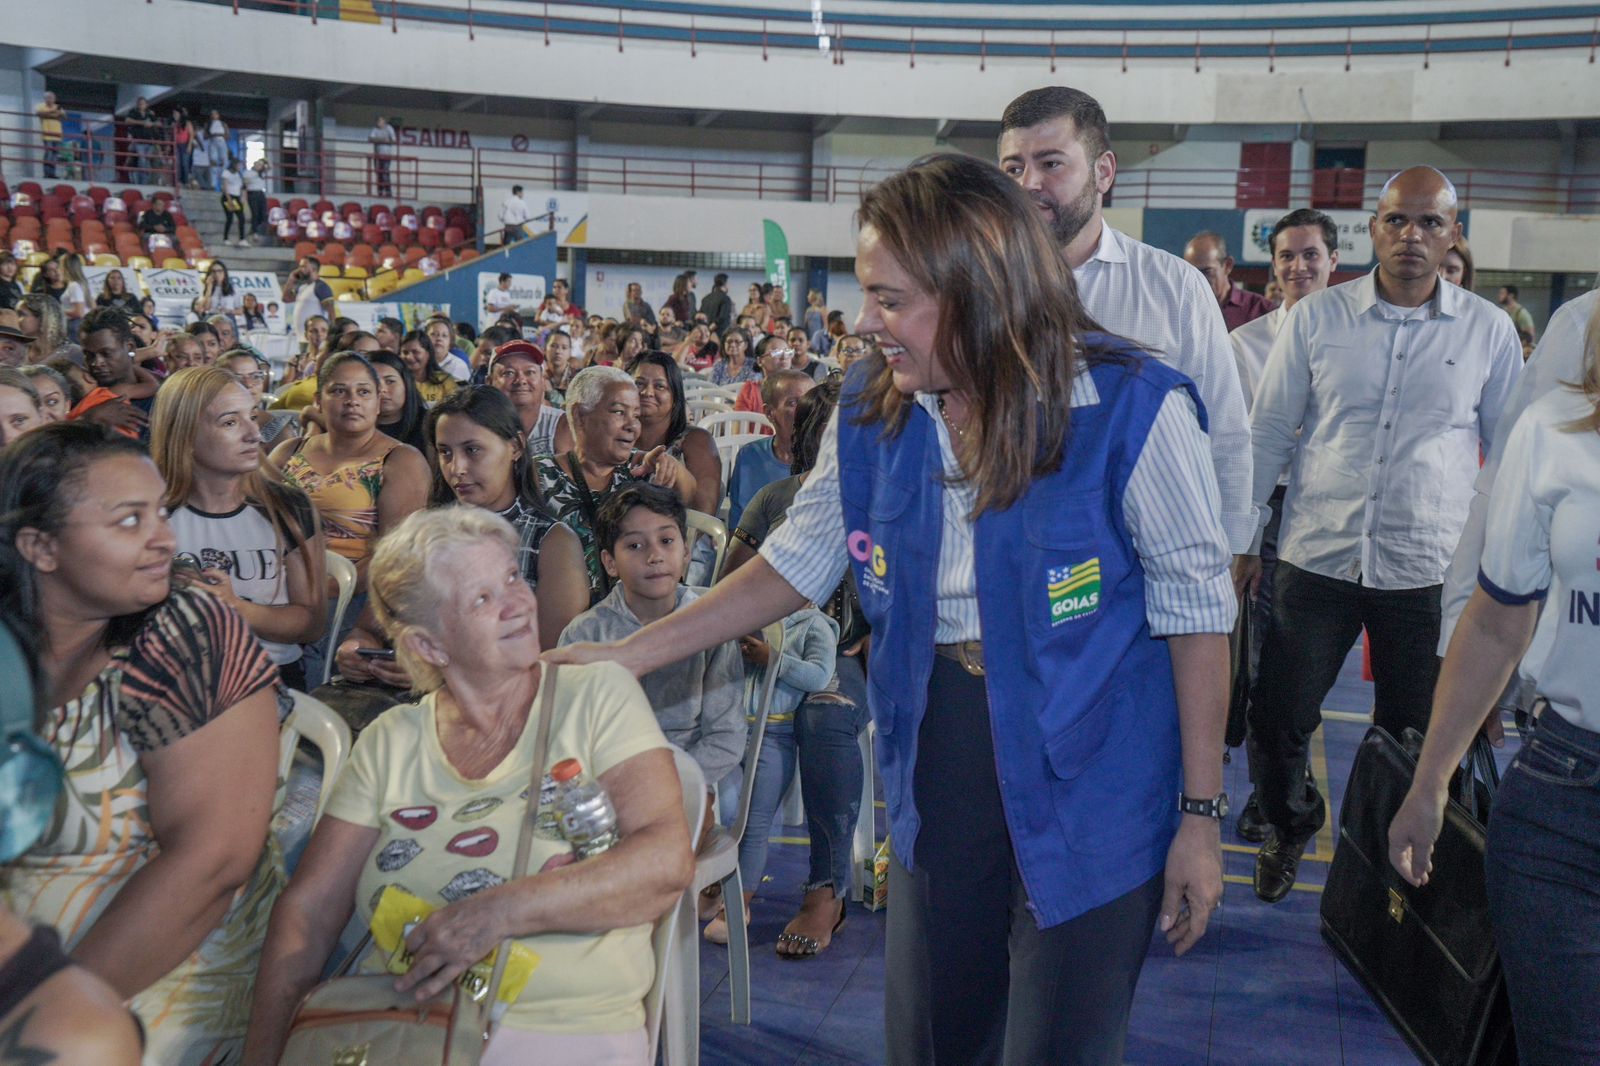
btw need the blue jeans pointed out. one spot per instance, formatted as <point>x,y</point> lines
<point>774,772</point>
<point>830,775</point>
<point>821,741</point>
<point>1543,868</point>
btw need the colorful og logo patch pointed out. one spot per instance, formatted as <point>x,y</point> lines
<point>1074,590</point>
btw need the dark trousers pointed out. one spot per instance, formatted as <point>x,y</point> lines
<point>1543,870</point>
<point>380,169</point>
<point>258,211</point>
<point>232,215</point>
<point>971,978</point>
<point>1261,604</point>
<point>1315,623</point>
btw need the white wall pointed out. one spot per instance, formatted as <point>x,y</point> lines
<point>1395,89</point>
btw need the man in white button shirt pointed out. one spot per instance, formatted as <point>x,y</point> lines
<point>1377,396</point>
<point>1305,250</point>
<point>1054,143</point>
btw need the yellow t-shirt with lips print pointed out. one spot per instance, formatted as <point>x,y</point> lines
<point>443,837</point>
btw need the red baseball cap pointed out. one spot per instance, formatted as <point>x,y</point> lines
<point>517,349</point>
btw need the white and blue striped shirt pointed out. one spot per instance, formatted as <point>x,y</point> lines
<point>1171,508</point>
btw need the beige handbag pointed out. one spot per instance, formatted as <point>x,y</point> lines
<point>363,1021</point>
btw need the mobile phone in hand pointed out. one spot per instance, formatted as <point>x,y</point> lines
<point>385,654</point>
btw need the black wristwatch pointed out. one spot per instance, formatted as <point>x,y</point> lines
<point>1210,808</point>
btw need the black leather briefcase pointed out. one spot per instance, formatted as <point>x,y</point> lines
<point>1426,955</point>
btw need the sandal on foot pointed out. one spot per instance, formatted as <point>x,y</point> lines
<point>809,946</point>
<point>716,930</point>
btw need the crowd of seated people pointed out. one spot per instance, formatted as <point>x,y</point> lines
<point>169,509</point>
<point>172,517</point>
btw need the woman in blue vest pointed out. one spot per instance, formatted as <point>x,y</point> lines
<point>1030,512</point>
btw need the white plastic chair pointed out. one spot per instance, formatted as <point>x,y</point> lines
<point>717,862</point>
<point>706,404</point>
<point>343,571</point>
<point>677,932</point>
<point>328,733</point>
<point>865,844</point>
<point>702,524</point>
<point>728,447</point>
<point>733,423</point>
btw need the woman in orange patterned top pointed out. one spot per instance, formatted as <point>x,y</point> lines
<point>157,870</point>
<point>362,481</point>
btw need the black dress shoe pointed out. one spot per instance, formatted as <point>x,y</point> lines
<point>1276,866</point>
<point>1252,824</point>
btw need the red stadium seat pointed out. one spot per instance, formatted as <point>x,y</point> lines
<point>453,237</point>
<point>371,234</point>
<point>333,255</point>
<point>303,249</point>
<point>428,238</point>
<point>402,237</point>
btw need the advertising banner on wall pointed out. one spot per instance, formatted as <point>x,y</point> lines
<point>96,277</point>
<point>264,283</point>
<point>365,314</point>
<point>1355,242</point>
<point>527,293</point>
<point>173,291</point>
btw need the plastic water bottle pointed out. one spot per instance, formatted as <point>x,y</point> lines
<point>588,820</point>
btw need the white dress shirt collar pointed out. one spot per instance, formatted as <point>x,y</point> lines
<point>1447,300</point>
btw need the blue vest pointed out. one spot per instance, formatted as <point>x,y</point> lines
<point>1081,699</point>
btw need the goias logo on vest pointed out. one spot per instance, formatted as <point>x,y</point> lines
<point>871,555</point>
<point>1074,591</point>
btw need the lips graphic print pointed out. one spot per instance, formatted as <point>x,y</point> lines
<point>470,882</point>
<point>474,842</point>
<point>396,854</point>
<point>415,818</point>
<point>478,808</point>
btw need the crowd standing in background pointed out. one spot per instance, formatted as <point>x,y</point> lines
<point>177,511</point>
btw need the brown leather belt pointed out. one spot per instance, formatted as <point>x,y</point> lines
<point>969,653</point>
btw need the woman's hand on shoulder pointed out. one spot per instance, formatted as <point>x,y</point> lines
<point>584,652</point>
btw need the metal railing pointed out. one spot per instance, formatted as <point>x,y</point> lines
<point>97,148</point>
<point>1105,33</point>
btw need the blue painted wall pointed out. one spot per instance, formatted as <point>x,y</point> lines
<point>458,286</point>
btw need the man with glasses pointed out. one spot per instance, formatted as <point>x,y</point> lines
<point>1208,253</point>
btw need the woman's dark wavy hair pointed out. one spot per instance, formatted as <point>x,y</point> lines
<point>811,416</point>
<point>679,423</point>
<point>494,411</point>
<point>41,481</point>
<point>958,226</point>
<point>407,429</point>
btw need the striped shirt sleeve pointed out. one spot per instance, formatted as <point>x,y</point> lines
<point>808,549</point>
<point>1171,507</point>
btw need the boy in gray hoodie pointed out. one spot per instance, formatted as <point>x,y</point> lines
<point>641,532</point>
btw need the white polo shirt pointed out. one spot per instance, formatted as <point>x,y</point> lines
<point>1541,543</point>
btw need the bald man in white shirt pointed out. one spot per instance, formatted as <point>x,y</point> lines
<point>1377,396</point>
<point>1054,143</point>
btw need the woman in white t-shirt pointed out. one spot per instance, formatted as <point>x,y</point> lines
<point>250,540</point>
<point>1542,546</point>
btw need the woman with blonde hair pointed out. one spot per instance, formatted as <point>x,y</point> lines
<point>439,787</point>
<point>39,316</point>
<point>252,541</point>
<point>1457,265</point>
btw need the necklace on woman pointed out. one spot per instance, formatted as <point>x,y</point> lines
<point>956,430</point>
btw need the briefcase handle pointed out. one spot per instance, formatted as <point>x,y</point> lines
<point>1479,765</point>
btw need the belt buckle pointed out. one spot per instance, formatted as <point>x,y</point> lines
<point>965,652</point>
